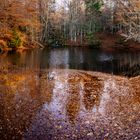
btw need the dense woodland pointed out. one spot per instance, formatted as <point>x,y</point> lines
<point>31,23</point>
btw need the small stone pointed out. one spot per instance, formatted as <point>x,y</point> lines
<point>107,134</point>
<point>74,136</point>
<point>60,127</point>
<point>87,122</point>
<point>90,134</point>
<point>116,125</point>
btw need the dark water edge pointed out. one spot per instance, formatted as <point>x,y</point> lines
<point>115,63</point>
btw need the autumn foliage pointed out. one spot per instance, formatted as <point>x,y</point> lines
<point>18,20</point>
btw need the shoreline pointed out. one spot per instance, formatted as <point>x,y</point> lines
<point>20,49</point>
<point>109,42</point>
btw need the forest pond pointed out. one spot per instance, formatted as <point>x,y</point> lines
<point>42,99</point>
<point>117,63</point>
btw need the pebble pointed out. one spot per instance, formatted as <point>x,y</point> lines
<point>90,134</point>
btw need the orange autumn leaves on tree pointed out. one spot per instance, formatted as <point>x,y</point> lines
<point>19,16</point>
<point>122,7</point>
<point>128,14</point>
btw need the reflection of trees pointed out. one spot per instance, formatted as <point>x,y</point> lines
<point>14,58</point>
<point>16,109</point>
<point>91,91</point>
<point>128,64</point>
<point>46,86</point>
<point>131,71</point>
<point>136,86</point>
<point>91,97</point>
<point>21,96</point>
<point>73,104</point>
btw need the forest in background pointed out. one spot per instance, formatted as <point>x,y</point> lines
<point>31,23</point>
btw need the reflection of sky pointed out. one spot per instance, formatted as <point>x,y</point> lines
<point>59,98</point>
<point>105,96</point>
<point>105,57</point>
<point>54,117</point>
<point>59,58</point>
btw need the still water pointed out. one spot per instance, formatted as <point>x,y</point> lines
<point>125,63</point>
<point>41,99</point>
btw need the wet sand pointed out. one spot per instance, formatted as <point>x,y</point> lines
<point>68,105</point>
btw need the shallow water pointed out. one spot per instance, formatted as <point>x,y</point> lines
<point>68,104</point>
<point>41,99</point>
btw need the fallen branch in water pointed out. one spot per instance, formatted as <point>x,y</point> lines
<point>42,46</point>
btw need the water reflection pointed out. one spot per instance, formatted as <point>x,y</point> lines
<point>64,104</point>
<point>40,102</point>
<point>59,58</point>
<point>73,103</point>
<point>126,63</point>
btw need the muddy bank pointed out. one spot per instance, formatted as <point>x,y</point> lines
<point>108,42</point>
<point>20,49</point>
<point>68,104</point>
<point>115,42</point>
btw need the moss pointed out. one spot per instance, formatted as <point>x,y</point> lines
<point>16,41</point>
